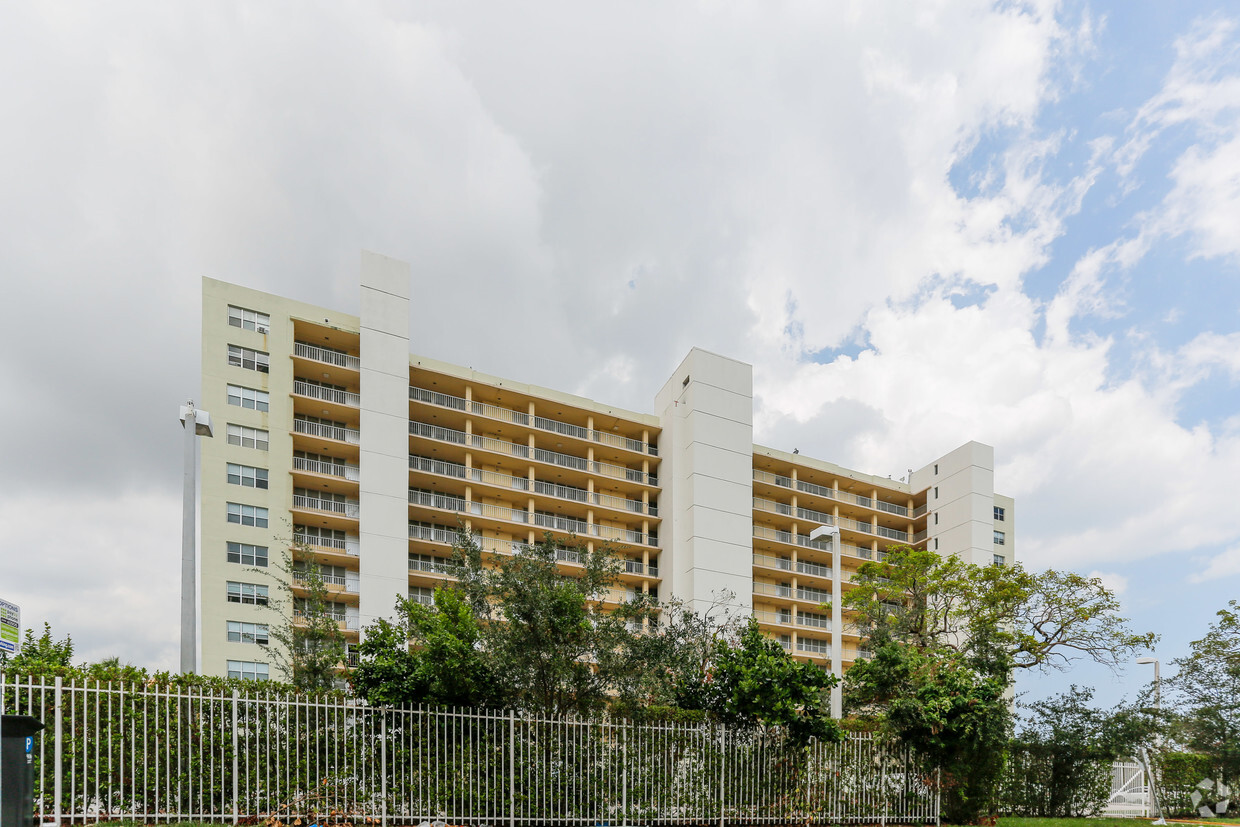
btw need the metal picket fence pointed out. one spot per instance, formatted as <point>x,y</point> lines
<point>153,754</point>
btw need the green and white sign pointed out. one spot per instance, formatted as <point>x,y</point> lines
<point>10,627</point>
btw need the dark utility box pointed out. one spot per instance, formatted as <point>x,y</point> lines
<point>18,744</point>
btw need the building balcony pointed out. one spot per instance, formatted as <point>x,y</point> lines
<point>333,583</point>
<point>334,396</point>
<point>348,509</point>
<point>314,353</point>
<point>343,470</point>
<point>352,436</point>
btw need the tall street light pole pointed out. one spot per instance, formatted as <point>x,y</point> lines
<point>1157,681</point>
<point>196,423</point>
<point>837,618</point>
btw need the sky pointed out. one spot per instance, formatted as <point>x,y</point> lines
<point>922,223</point>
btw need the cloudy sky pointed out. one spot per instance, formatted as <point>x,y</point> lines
<point>923,223</point>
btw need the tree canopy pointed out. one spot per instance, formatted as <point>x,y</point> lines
<point>946,637</point>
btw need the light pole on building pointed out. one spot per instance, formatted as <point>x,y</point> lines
<point>837,615</point>
<point>196,423</point>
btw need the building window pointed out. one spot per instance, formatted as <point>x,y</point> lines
<point>936,518</point>
<point>252,594</point>
<point>247,515</point>
<point>936,469</point>
<point>247,555</point>
<point>243,357</point>
<point>248,319</point>
<point>247,437</point>
<point>999,560</point>
<point>1000,538</point>
<point>1000,514</point>
<point>247,476</point>
<point>247,632</point>
<point>247,398</point>
<point>422,594</point>
<point>936,543</point>
<point>247,670</point>
<point>936,492</point>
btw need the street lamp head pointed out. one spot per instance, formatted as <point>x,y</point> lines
<point>1144,661</point>
<point>201,419</point>
<point>825,531</point>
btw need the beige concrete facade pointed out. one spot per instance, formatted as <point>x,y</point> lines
<point>331,433</point>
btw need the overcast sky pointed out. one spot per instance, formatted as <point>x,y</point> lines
<point>922,223</point>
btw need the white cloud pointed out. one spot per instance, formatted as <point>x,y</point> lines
<point>1117,583</point>
<point>1225,564</point>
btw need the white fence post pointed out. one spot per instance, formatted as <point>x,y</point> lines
<point>236,762</point>
<point>58,755</point>
<point>512,768</point>
<point>723,757</point>
<point>383,766</point>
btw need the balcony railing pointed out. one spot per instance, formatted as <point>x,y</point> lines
<point>327,357</point>
<point>433,534</point>
<point>349,508</point>
<point>813,569</point>
<point>777,618</point>
<point>555,521</point>
<point>432,500</point>
<point>349,584</point>
<point>319,429</point>
<point>783,563</point>
<point>772,479</point>
<point>325,394</point>
<point>347,546</point>
<point>334,469</point>
<point>814,621</point>
<point>432,567</point>
<point>542,423</point>
<point>817,647</point>
<point>848,497</point>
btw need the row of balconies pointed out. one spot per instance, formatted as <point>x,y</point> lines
<point>445,468</point>
<point>524,451</point>
<point>823,518</point>
<point>505,513</point>
<point>835,494</point>
<point>528,420</point>
<point>335,358</point>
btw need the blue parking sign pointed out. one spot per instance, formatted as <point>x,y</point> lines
<point>29,744</point>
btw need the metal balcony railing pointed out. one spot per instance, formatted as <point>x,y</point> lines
<point>334,469</point>
<point>349,508</point>
<point>325,394</point>
<point>319,429</point>
<point>327,357</point>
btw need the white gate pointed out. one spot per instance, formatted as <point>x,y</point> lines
<point>1130,795</point>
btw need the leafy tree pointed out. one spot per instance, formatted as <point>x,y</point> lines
<point>946,637</point>
<point>310,646</point>
<point>542,630</point>
<point>45,656</point>
<point>444,666</point>
<point>756,682</point>
<point>1063,755</point>
<point>954,716</point>
<point>657,667</point>
<point>1207,690</point>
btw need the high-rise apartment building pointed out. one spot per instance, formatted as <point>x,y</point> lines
<point>329,433</point>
